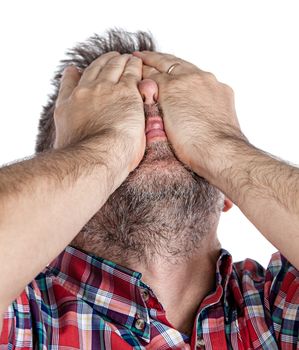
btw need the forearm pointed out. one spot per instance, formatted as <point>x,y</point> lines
<point>44,202</point>
<point>267,192</point>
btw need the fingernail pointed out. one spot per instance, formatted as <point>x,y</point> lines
<point>66,68</point>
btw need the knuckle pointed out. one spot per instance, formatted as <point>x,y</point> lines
<point>80,93</point>
<point>129,77</point>
<point>194,78</point>
<point>60,115</point>
<point>227,89</point>
<point>111,65</point>
<point>104,56</point>
<point>103,86</point>
<point>210,75</point>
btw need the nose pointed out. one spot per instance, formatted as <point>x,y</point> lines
<point>148,89</point>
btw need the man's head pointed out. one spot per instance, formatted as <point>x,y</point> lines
<point>162,208</point>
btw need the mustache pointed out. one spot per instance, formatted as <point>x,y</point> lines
<point>152,110</point>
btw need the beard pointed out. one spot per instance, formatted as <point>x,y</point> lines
<point>163,209</point>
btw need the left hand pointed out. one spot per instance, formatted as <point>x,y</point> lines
<point>199,111</point>
<point>202,126</point>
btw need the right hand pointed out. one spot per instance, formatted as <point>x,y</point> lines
<point>105,100</point>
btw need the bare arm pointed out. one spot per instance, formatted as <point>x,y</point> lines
<point>44,203</point>
<point>46,200</point>
<point>266,190</point>
<point>202,125</point>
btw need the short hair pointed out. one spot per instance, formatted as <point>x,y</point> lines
<point>81,56</point>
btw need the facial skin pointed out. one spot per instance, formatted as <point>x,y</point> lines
<point>163,209</point>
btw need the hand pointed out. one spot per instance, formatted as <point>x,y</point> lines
<point>199,112</point>
<point>103,101</point>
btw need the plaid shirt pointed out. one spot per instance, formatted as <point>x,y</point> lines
<point>84,302</point>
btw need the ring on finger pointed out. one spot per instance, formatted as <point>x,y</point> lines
<point>172,67</point>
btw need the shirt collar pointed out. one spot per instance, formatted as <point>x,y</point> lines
<point>116,291</point>
<point>111,290</point>
<point>223,268</point>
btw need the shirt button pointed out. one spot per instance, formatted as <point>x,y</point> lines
<point>139,324</point>
<point>200,343</point>
<point>145,294</point>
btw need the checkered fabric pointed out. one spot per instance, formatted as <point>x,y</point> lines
<point>84,302</point>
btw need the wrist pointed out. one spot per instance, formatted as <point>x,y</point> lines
<point>228,163</point>
<point>102,152</point>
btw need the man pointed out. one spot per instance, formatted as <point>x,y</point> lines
<point>133,156</point>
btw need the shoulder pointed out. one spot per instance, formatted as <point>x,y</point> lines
<point>280,276</point>
<point>17,324</point>
<point>269,298</point>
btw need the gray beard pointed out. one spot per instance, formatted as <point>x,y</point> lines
<point>162,209</point>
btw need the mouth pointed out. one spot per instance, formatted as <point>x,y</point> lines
<point>155,129</point>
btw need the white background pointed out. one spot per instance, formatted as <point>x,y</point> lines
<point>250,45</point>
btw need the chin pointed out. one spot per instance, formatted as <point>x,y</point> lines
<point>159,175</point>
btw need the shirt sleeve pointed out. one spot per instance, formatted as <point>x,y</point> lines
<point>16,328</point>
<point>281,293</point>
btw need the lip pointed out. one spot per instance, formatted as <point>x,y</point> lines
<point>154,123</point>
<point>155,132</point>
<point>154,128</point>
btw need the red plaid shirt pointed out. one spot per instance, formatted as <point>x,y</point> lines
<point>84,302</point>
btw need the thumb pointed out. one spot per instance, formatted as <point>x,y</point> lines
<point>69,81</point>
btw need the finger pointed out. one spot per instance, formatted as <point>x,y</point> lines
<point>114,68</point>
<point>93,70</point>
<point>162,62</point>
<point>69,81</point>
<point>149,72</point>
<point>133,70</point>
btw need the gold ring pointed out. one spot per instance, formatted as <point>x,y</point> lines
<point>171,68</point>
